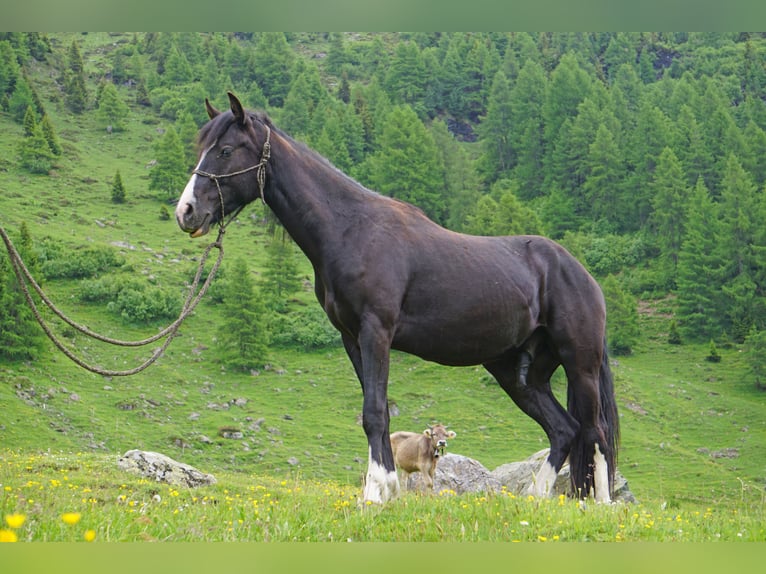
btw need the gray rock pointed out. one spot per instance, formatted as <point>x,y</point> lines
<point>517,476</point>
<point>459,474</point>
<point>161,468</point>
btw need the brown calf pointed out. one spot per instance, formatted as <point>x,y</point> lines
<point>420,451</point>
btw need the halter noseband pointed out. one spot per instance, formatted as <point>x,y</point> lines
<point>260,176</point>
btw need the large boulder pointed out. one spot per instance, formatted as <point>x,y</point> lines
<point>459,474</point>
<point>462,474</point>
<point>161,468</point>
<point>518,476</point>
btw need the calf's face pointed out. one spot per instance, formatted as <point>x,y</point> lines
<point>439,435</point>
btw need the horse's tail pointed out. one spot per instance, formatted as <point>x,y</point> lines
<point>608,436</point>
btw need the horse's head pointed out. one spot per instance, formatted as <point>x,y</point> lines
<point>232,159</point>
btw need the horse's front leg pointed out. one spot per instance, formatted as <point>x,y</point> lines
<point>382,482</point>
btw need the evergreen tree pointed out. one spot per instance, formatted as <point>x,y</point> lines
<point>755,357</point>
<point>36,154</point>
<point>406,77</point>
<point>496,131</point>
<point>118,189</point>
<point>74,80</point>
<point>243,337</point>
<point>527,129</point>
<point>169,175</point>
<point>604,180</point>
<point>504,216</point>
<point>622,318</point>
<point>30,122</point>
<point>280,275</point>
<point>407,165</point>
<point>21,100</point>
<point>461,182</point>
<point>112,111</point>
<point>273,62</point>
<point>50,135</point>
<point>699,269</point>
<point>669,201</point>
<point>737,241</point>
<point>20,335</point>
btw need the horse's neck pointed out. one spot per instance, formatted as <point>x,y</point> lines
<point>308,195</point>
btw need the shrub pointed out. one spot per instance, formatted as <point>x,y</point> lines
<point>307,328</point>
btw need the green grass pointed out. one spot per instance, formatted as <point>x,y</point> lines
<point>73,497</point>
<point>59,420</point>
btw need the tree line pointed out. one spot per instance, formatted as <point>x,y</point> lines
<point>640,152</point>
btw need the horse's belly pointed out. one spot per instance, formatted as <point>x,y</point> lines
<point>461,345</point>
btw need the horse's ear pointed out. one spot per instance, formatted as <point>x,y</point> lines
<point>211,111</point>
<point>237,109</point>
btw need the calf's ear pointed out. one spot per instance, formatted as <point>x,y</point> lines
<point>451,434</point>
<point>427,432</point>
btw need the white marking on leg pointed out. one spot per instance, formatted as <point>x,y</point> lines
<point>600,477</point>
<point>187,197</point>
<point>543,480</point>
<point>380,485</point>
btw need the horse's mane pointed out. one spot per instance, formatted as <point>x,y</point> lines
<point>213,129</point>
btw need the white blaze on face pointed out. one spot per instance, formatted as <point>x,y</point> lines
<point>187,197</point>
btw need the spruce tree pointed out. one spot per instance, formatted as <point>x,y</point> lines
<point>170,173</point>
<point>112,111</point>
<point>118,189</point>
<point>668,203</point>
<point>242,338</point>
<point>280,276</point>
<point>699,277</point>
<point>622,318</point>
<point>36,155</point>
<point>407,165</point>
<point>20,335</point>
<point>50,135</point>
<point>74,80</point>
<point>496,132</point>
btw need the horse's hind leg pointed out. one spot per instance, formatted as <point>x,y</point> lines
<point>526,379</point>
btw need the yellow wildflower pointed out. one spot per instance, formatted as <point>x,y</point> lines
<point>8,536</point>
<point>15,520</point>
<point>90,535</point>
<point>71,518</point>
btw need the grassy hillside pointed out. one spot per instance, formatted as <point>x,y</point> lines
<point>692,432</point>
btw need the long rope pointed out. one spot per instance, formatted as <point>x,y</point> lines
<point>24,278</point>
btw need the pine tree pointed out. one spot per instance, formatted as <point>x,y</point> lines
<point>36,154</point>
<point>50,135</point>
<point>604,180</point>
<point>407,165</point>
<point>668,203</point>
<point>118,189</point>
<point>243,338</point>
<point>622,318</point>
<point>273,62</point>
<point>112,111</point>
<point>74,80</point>
<point>739,235</point>
<point>700,309</point>
<point>169,175</point>
<point>496,132</point>
<point>280,276</point>
<point>20,335</point>
<point>527,129</point>
<point>21,100</point>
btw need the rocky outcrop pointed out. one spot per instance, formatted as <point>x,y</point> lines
<point>462,474</point>
<point>459,474</point>
<point>156,466</point>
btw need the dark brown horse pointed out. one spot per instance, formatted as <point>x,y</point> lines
<point>388,277</point>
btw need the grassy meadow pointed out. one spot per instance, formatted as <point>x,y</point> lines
<point>693,433</point>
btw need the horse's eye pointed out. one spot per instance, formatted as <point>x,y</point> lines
<point>225,152</point>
